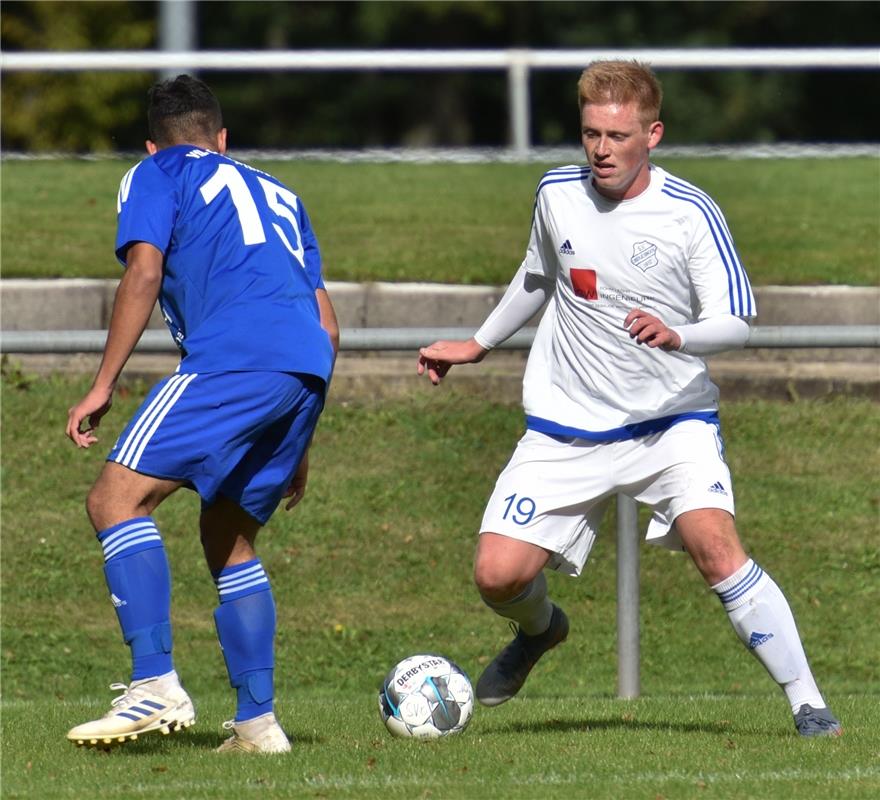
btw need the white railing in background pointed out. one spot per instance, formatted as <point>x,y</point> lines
<point>158,340</point>
<point>518,63</point>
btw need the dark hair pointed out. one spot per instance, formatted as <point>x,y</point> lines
<point>183,110</point>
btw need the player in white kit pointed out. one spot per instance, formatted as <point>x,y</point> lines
<point>641,280</point>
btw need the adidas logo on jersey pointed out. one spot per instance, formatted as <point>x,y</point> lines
<point>757,639</point>
<point>718,488</point>
<point>117,603</point>
<point>566,249</point>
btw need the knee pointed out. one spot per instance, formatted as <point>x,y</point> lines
<point>108,503</point>
<point>719,558</point>
<point>711,539</point>
<point>96,505</point>
<point>497,583</point>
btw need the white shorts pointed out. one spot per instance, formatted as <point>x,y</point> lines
<point>553,492</point>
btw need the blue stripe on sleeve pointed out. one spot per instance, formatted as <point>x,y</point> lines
<point>740,296</point>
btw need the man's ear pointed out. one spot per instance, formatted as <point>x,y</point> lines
<point>655,134</point>
<point>152,149</point>
<point>221,141</point>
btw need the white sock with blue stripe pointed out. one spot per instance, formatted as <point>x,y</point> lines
<point>246,628</point>
<point>139,580</point>
<point>762,618</point>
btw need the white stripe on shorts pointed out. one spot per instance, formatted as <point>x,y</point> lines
<point>133,448</point>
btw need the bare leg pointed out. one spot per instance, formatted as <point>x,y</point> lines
<point>228,534</point>
<point>119,494</point>
<point>709,536</point>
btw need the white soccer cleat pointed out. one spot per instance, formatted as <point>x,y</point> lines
<point>261,734</point>
<point>154,704</point>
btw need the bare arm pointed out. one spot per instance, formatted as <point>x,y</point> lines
<point>135,299</point>
<point>329,323</point>
<point>328,317</point>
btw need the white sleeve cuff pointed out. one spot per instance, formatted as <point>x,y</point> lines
<point>713,335</point>
<point>525,296</point>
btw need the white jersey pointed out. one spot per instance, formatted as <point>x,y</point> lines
<point>667,251</point>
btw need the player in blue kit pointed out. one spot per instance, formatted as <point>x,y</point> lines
<point>230,254</point>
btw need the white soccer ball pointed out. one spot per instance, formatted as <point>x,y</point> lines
<point>425,697</point>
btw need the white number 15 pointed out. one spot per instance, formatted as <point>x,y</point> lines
<point>228,177</point>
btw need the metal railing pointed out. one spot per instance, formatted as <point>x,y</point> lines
<point>379,339</point>
<point>159,341</point>
<point>518,63</point>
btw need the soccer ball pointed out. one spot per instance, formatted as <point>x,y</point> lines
<point>426,697</point>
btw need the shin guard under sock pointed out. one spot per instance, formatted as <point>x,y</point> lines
<point>762,618</point>
<point>245,623</point>
<point>139,580</point>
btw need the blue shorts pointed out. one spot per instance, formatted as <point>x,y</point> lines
<point>239,435</point>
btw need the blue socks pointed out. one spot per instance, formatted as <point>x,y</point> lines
<point>245,623</point>
<point>139,580</point>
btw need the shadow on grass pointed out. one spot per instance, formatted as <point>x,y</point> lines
<point>184,740</point>
<point>585,725</point>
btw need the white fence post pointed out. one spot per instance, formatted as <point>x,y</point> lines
<point>519,102</point>
<point>177,30</point>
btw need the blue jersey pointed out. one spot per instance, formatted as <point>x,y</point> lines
<point>241,262</point>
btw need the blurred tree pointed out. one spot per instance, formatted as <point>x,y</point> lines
<point>371,109</point>
<point>76,111</point>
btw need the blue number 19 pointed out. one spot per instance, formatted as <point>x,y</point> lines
<point>522,512</point>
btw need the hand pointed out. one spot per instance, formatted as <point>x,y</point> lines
<point>297,487</point>
<point>647,329</point>
<point>93,406</point>
<point>436,359</point>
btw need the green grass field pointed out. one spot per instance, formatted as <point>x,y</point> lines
<point>375,565</point>
<point>794,221</point>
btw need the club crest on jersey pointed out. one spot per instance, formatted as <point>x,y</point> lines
<point>644,256</point>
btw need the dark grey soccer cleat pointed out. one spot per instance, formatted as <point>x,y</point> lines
<point>504,677</point>
<point>811,721</point>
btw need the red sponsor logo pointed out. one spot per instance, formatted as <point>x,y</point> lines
<point>584,283</point>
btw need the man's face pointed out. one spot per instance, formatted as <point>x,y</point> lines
<point>617,145</point>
